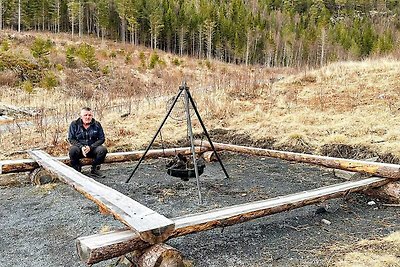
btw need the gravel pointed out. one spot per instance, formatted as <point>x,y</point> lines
<point>39,224</point>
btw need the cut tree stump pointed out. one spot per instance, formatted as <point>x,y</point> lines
<point>209,156</point>
<point>161,255</point>
<point>40,176</point>
<point>389,192</point>
<point>158,255</point>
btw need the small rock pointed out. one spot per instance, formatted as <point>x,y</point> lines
<point>371,203</point>
<point>320,210</point>
<point>325,221</point>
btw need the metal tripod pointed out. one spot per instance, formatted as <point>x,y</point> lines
<point>188,101</point>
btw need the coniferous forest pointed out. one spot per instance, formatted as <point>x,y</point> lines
<point>274,33</point>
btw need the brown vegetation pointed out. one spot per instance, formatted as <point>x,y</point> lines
<point>350,103</point>
<point>346,109</point>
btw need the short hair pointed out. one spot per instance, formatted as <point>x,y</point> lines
<point>86,108</point>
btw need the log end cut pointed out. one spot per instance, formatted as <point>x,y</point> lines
<point>161,255</point>
<point>389,192</point>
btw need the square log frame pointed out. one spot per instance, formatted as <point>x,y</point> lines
<point>147,227</point>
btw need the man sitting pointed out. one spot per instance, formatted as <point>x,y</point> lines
<point>86,137</point>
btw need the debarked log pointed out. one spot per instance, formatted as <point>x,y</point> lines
<point>99,247</point>
<point>150,225</point>
<point>24,165</point>
<point>386,170</point>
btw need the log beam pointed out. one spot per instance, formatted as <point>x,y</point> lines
<point>391,171</point>
<point>99,247</point>
<point>24,165</point>
<point>148,224</point>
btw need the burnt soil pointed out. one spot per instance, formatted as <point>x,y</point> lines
<point>39,224</point>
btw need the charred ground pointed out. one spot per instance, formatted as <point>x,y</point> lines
<point>39,224</point>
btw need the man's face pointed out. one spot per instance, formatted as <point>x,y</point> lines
<point>86,116</point>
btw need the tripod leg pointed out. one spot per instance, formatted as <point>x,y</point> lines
<point>155,136</point>
<point>206,133</point>
<point>189,123</point>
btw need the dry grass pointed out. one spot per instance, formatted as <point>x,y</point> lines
<point>354,103</point>
<point>350,103</point>
<point>384,252</point>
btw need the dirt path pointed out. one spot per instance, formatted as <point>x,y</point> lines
<point>39,225</point>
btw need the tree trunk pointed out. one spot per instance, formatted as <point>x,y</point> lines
<point>389,192</point>
<point>200,42</point>
<point>248,43</point>
<point>323,36</point>
<point>73,25</point>
<point>80,19</point>
<point>1,14</point>
<point>123,30</point>
<point>19,15</point>
<point>58,16</point>
<point>40,176</point>
<point>43,27</point>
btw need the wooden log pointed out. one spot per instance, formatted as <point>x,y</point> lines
<point>150,226</point>
<point>209,156</point>
<point>100,247</point>
<point>40,176</point>
<point>386,170</point>
<point>158,255</point>
<point>389,192</point>
<point>347,175</point>
<point>23,165</point>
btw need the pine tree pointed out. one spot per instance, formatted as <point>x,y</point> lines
<point>73,10</point>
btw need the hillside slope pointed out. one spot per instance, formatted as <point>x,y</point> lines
<point>345,109</point>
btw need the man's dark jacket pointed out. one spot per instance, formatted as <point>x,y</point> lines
<point>80,137</point>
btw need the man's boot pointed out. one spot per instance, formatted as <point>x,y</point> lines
<point>77,167</point>
<point>95,172</point>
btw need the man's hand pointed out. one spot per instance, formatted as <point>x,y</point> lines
<point>85,150</point>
